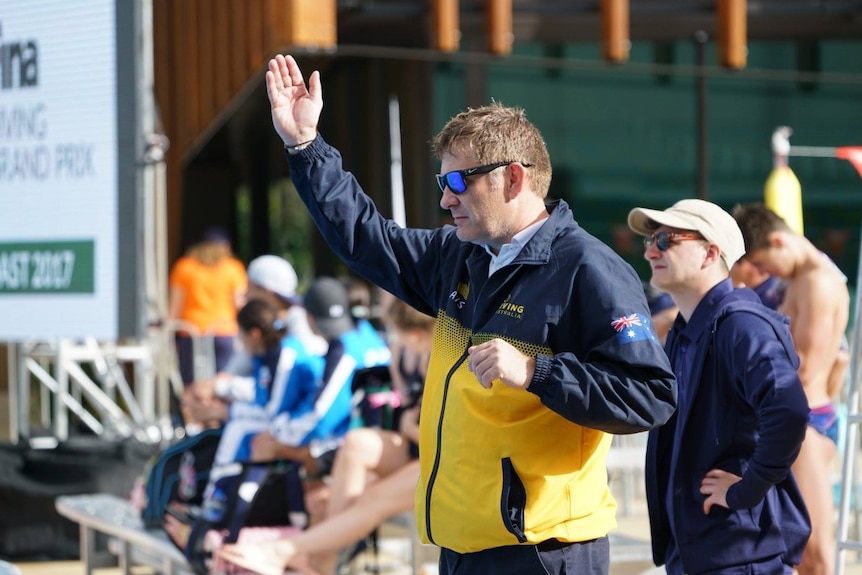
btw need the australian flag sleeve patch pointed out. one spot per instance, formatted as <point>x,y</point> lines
<point>634,327</point>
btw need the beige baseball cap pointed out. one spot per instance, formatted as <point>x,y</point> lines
<point>709,220</point>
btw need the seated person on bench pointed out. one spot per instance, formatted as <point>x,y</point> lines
<point>311,433</point>
<point>375,472</point>
<point>306,417</point>
<point>273,280</point>
<point>284,378</point>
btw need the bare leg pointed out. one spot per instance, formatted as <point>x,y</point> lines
<point>177,531</point>
<point>813,472</point>
<point>316,502</point>
<point>384,499</point>
<point>366,453</point>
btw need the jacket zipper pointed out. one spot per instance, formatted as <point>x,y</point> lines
<point>436,465</point>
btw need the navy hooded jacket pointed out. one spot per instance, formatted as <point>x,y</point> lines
<point>741,409</point>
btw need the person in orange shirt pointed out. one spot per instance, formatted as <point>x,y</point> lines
<point>208,286</point>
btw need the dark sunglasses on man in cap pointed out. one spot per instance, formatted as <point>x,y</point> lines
<point>663,240</point>
<point>455,179</point>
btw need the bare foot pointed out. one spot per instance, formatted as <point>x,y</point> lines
<point>178,531</point>
<point>267,558</point>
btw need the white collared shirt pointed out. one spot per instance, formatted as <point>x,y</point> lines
<point>508,252</point>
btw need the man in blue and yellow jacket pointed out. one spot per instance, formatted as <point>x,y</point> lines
<point>543,345</point>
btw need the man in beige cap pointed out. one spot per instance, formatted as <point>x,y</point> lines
<point>720,493</point>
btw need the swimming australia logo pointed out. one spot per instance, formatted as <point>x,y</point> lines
<point>511,309</point>
<point>19,63</point>
<point>459,296</point>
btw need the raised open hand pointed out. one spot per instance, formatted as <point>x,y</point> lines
<point>295,108</point>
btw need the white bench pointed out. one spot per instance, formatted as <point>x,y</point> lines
<point>132,544</point>
<point>116,518</point>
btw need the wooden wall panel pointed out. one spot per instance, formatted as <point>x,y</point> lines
<point>189,84</point>
<point>223,89</point>
<point>238,49</point>
<point>205,63</point>
<point>267,37</point>
<point>254,42</point>
<point>205,52</point>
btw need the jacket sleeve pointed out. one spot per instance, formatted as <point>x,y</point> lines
<point>616,376</point>
<point>397,259</point>
<point>765,372</point>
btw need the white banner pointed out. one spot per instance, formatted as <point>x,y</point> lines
<point>58,169</point>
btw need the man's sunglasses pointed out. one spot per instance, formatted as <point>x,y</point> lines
<point>455,179</point>
<point>663,240</point>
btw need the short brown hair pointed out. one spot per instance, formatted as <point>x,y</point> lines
<point>757,222</point>
<point>497,133</point>
<point>259,314</point>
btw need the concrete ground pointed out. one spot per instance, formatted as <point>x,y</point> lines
<point>629,544</point>
<point>627,548</point>
<point>627,552</point>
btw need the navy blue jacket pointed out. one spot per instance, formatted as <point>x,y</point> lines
<point>528,465</point>
<point>741,409</point>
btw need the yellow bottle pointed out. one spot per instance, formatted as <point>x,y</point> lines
<point>783,195</point>
<point>782,192</point>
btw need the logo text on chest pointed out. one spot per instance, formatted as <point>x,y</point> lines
<point>511,309</point>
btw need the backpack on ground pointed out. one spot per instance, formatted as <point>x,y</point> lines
<point>179,473</point>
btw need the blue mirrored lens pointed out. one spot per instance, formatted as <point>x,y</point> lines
<point>453,180</point>
<point>456,183</point>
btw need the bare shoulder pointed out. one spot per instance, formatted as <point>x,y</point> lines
<point>793,295</point>
<point>825,280</point>
<point>821,280</point>
<point>821,286</point>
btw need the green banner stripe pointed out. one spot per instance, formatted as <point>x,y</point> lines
<point>47,267</point>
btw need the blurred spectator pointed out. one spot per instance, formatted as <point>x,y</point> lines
<point>769,289</point>
<point>375,472</point>
<point>662,309</point>
<point>261,333</point>
<point>359,296</point>
<point>817,303</point>
<point>271,279</point>
<point>411,334</point>
<point>284,381</point>
<point>313,431</point>
<point>207,288</point>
